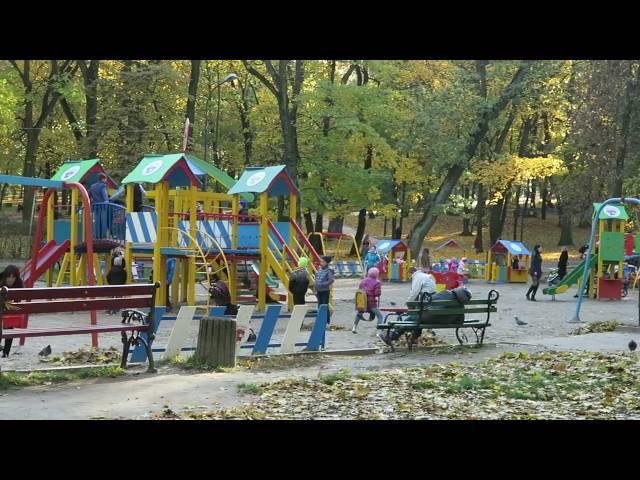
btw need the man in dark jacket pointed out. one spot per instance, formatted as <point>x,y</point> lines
<point>299,282</point>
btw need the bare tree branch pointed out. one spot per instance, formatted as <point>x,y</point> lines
<point>15,65</point>
<point>253,71</point>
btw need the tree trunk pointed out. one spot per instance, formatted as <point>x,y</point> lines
<point>308,221</point>
<point>362,223</point>
<point>495,214</point>
<point>217,342</point>
<point>621,153</point>
<point>466,221</point>
<point>394,227</point>
<point>192,98</point>
<point>480,207</point>
<point>454,173</point>
<point>516,213</point>
<point>524,211</point>
<point>91,77</point>
<point>545,198</point>
<point>335,225</point>
<point>566,237</point>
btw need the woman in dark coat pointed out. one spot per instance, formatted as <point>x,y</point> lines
<point>535,272</point>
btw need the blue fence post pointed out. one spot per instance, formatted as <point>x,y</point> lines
<point>139,354</point>
<point>266,329</point>
<point>317,337</point>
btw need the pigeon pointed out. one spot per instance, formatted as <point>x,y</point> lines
<point>393,304</point>
<point>46,351</point>
<point>633,345</point>
<point>252,336</point>
<point>518,321</point>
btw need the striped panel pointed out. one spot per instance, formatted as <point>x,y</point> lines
<point>142,227</point>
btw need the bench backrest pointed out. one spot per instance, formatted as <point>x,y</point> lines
<point>76,299</point>
<point>454,307</point>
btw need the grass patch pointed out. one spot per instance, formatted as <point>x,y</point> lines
<point>423,385</point>
<point>17,379</point>
<point>249,388</point>
<point>86,357</point>
<point>596,327</point>
<point>280,362</point>
<point>333,378</point>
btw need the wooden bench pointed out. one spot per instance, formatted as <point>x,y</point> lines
<point>28,301</point>
<point>432,314</point>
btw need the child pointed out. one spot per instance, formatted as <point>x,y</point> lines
<point>220,295</point>
<point>373,288</point>
<point>299,282</point>
<point>372,259</point>
<point>10,278</point>
<point>116,276</point>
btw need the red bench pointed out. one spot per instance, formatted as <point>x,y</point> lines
<point>27,301</point>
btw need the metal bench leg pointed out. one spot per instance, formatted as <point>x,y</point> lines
<point>482,336</point>
<point>125,350</point>
<point>147,346</point>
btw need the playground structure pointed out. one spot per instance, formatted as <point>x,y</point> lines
<point>396,259</point>
<point>44,257</point>
<point>69,236</point>
<point>613,214</point>
<point>499,266</point>
<point>605,270</point>
<point>205,242</point>
<point>339,246</point>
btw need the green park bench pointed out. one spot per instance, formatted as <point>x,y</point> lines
<point>432,314</point>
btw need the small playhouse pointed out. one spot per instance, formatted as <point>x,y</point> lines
<point>508,262</point>
<point>396,259</point>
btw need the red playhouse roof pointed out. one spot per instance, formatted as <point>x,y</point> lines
<point>449,244</point>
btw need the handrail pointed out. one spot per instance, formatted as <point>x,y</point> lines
<point>306,242</point>
<point>275,231</point>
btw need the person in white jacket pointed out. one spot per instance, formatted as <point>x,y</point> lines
<point>420,282</point>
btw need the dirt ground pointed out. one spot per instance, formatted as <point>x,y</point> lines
<point>140,395</point>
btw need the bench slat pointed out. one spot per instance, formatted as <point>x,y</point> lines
<point>434,326</point>
<point>60,306</point>
<point>484,301</point>
<point>53,332</point>
<point>18,294</point>
<point>452,311</point>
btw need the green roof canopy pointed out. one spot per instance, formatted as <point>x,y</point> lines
<point>273,180</point>
<point>156,168</point>
<point>611,212</point>
<point>82,171</point>
<point>217,174</point>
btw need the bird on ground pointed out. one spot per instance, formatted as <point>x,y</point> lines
<point>633,345</point>
<point>518,321</point>
<point>46,351</point>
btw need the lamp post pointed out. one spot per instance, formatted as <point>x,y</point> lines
<point>229,78</point>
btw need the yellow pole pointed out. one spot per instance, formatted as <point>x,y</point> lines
<point>74,237</point>
<point>50,235</point>
<point>159,262</point>
<point>233,266</point>
<point>128,256</point>
<point>193,224</point>
<point>264,247</point>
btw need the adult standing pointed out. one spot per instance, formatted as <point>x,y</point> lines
<point>299,282</point>
<point>98,191</point>
<point>535,272</point>
<point>562,263</point>
<point>324,281</point>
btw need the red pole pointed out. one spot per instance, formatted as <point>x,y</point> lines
<point>88,230</point>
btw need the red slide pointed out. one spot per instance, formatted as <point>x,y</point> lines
<point>47,258</point>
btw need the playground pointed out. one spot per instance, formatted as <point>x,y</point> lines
<point>176,246</point>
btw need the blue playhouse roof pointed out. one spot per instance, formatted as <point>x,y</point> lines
<point>514,248</point>
<point>386,245</point>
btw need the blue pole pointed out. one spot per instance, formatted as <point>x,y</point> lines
<point>585,270</point>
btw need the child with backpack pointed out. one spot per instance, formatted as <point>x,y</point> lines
<point>372,288</point>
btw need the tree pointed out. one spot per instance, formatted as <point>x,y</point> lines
<point>34,118</point>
